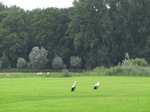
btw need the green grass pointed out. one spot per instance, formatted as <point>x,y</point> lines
<point>34,75</point>
<point>116,94</point>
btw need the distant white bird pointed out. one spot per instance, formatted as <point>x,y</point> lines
<point>73,86</point>
<point>96,85</point>
<point>48,73</point>
<point>39,73</point>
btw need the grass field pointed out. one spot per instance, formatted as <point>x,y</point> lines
<point>115,94</point>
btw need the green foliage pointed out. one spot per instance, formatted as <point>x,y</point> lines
<point>129,71</point>
<point>38,57</point>
<point>14,36</point>
<point>98,71</point>
<point>119,71</point>
<point>75,62</point>
<point>90,30</point>
<point>5,62</point>
<point>139,61</point>
<point>66,73</point>
<point>21,63</point>
<point>0,64</point>
<point>58,63</point>
<point>29,65</point>
<point>90,33</point>
<point>48,27</point>
<point>126,61</point>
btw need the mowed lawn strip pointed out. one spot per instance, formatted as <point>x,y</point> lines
<point>115,94</point>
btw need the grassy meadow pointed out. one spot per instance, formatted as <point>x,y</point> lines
<point>52,94</point>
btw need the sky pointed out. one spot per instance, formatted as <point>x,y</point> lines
<point>33,4</point>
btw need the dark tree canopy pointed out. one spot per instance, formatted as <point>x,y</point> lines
<point>98,31</point>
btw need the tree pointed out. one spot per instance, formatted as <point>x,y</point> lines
<point>3,13</point>
<point>126,61</point>
<point>13,34</point>
<point>0,64</point>
<point>130,27</point>
<point>48,30</point>
<point>58,63</point>
<point>98,31</point>
<point>38,57</point>
<point>139,27</point>
<point>75,61</point>
<point>5,62</point>
<point>22,30</point>
<point>21,63</point>
<point>90,29</point>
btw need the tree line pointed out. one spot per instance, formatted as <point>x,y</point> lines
<point>98,32</point>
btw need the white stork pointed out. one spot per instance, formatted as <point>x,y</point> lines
<point>73,86</point>
<point>96,85</point>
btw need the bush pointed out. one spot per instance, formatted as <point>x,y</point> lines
<point>140,62</point>
<point>21,63</point>
<point>58,63</point>
<point>129,71</point>
<point>66,73</point>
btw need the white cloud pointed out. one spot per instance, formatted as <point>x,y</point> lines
<point>32,4</point>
